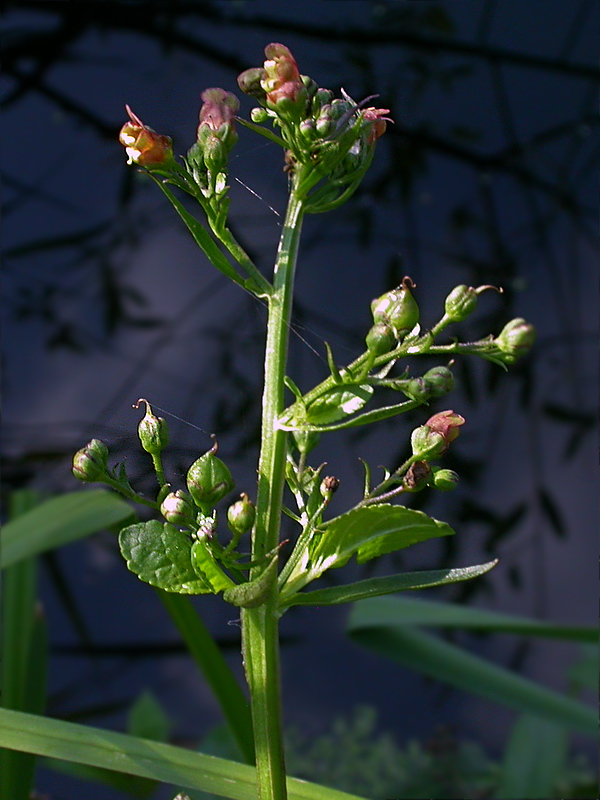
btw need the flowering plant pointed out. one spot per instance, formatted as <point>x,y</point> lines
<point>328,145</point>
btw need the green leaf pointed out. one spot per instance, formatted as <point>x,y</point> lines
<point>373,587</point>
<point>207,568</point>
<point>401,611</point>
<point>59,521</point>
<point>162,762</point>
<point>366,532</point>
<point>337,403</point>
<point>534,759</point>
<point>160,554</point>
<point>429,655</point>
<point>202,237</point>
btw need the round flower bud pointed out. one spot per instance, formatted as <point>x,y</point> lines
<point>418,389</point>
<point>329,485</point>
<point>515,339</point>
<point>460,303</point>
<point>324,121</point>
<point>445,479</point>
<point>152,431</point>
<point>259,115</point>
<point>398,308</point>
<point>89,463</point>
<point>177,508</point>
<point>440,381</point>
<point>240,515</point>
<point>209,480</point>
<point>308,130</point>
<point>380,339</point>
<point>250,83</point>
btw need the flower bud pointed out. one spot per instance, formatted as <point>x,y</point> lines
<point>308,130</point>
<point>397,307</point>
<point>209,480</point>
<point>177,508</point>
<point>380,339</point>
<point>416,477</point>
<point>259,115</point>
<point>324,123</point>
<point>89,463</point>
<point>250,83</point>
<point>329,485</point>
<point>143,145</point>
<point>240,515</point>
<point>440,381</point>
<point>152,430</point>
<point>515,339</point>
<point>321,98</point>
<point>433,438</point>
<point>445,479</point>
<point>460,303</point>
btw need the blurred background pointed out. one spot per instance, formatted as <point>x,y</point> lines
<point>485,177</point>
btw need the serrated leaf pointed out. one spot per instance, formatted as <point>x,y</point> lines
<point>160,554</point>
<point>339,402</point>
<point>207,568</point>
<point>366,532</point>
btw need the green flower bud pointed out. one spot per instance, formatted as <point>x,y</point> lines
<point>152,430</point>
<point>380,339</point>
<point>440,381</point>
<point>89,463</point>
<point>329,485</point>
<point>398,308</point>
<point>416,477</point>
<point>460,303</point>
<point>259,115</point>
<point>308,130</point>
<point>515,339</point>
<point>209,480</point>
<point>324,123</point>
<point>240,515</point>
<point>322,97</point>
<point>445,479</point>
<point>177,508</point>
<point>250,82</point>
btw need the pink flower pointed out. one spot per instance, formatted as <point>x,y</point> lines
<point>218,109</point>
<point>282,78</point>
<point>446,423</point>
<point>143,145</point>
<point>378,120</point>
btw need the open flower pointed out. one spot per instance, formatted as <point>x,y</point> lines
<point>281,76</point>
<point>143,145</point>
<point>218,112</point>
<point>378,120</point>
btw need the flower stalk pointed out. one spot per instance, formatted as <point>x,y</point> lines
<point>260,638</point>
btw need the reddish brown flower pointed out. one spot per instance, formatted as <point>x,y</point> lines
<point>282,78</point>
<point>446,423</point>
<point>143,145</point>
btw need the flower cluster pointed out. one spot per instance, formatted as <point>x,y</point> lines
<point>332,139</point>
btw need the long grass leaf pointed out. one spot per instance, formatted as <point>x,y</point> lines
<point>162,762</point>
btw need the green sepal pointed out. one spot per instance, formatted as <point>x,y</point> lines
<point>335,373</point>
<point>160,554</point>
<point>365,532</point>
<point>253,593</point>
<point>207,567</point>
<point>375,587</point>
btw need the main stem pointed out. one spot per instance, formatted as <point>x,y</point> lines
<point>260,636</point>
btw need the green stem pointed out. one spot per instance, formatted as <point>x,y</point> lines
<point>260,625</point>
